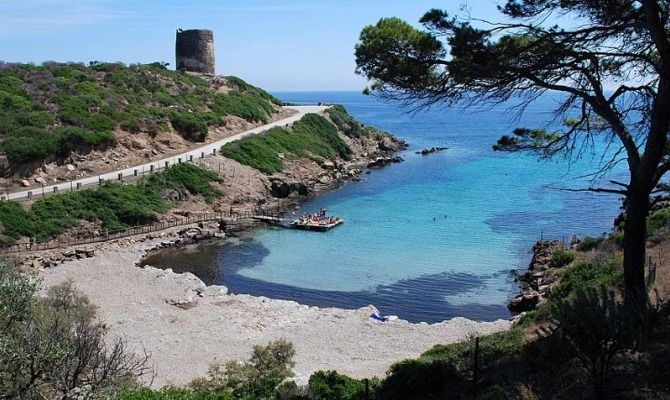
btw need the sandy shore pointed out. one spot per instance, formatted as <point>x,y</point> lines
<point>185,325</point>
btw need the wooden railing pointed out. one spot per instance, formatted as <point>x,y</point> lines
<point>88,238</point>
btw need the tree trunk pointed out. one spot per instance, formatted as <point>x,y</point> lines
<point>634,243</point>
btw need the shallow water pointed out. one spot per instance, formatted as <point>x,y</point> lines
<point>428,239</point>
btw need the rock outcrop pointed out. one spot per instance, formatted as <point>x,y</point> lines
<point>383,161</point>
<point>539,279</point>
<point>431,150</point>
<point>281,189</point>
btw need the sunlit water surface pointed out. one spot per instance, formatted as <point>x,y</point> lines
<point>428,239</point>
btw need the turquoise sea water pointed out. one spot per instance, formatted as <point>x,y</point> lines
<point>428,239</point>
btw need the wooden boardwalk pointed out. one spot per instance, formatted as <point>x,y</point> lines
<point>195,218</point>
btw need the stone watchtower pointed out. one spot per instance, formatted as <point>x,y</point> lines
<point>194,50</point>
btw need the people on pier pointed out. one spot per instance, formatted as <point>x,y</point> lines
<point>319,218</point>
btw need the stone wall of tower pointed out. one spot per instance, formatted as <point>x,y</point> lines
<point>194,50</point>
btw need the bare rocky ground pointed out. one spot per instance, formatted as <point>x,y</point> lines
<point>185,325</point>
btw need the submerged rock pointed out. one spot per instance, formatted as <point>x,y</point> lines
<point>383,161</point>
<point>431,150</point>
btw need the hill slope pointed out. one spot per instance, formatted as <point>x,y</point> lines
<point>51,111</point>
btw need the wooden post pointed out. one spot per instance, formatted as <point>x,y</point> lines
<point>475,369</point>
<point>367,389</point>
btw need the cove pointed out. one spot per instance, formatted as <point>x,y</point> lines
<point>428,239</point>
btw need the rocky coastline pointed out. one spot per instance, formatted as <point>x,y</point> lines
<point>301,181</point>
<point>539,279</point>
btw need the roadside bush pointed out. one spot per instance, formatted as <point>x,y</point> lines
<point>311,137</point>
<point>16,222</point>
<point>35,144</point>
<point>289,390</point>
<point>495,392</point>
<point>560,258</point>
<point>244,105</point>
<point>71,139</point>
<point>27,145</point>
<point>660,235</point>
<point>188,177</point>
<point>116,206</point>
<point>190,125</point>
<point>131,124</point>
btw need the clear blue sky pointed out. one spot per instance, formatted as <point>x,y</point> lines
<point>278,45</point>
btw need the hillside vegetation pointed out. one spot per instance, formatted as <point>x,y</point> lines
<point>312,137</point>
<point>54,109</point>
<point>114,206</point>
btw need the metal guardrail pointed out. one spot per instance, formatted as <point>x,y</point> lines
<point>35,192</point>
<point>33,246</point>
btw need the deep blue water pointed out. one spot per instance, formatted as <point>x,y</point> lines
<point>428,239</point>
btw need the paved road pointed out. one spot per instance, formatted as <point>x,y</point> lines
<point>206,150</point>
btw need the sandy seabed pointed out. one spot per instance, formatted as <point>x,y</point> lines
<point>185,325</point>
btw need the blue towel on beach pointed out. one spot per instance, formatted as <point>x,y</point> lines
<point>378,317</point>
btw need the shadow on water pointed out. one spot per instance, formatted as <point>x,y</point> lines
<point>421,299</point>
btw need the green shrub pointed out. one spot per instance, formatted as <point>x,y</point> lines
<point>491,349</point>
<point>52,344</point>
<point>190,125</point>
<point>99,98</point>
<point>171,393</point>
<point>247,106</point>
<point>495,392</point>
<point>257,378</point>
<point>312,136</point>
<point>329,385</point>
<point>188,177</point>
<point>588,275</point>
<point>560,258</point>
<point>71,139</point>
<point>594,327</point>
<point>16,222</point>
<point>27,145</point>
<point>657,221</point>
<point>39,119</point>
<point>421,380</point>
<point>589,243</point>
<point>131,124</point>
<point>115,206</point>
<point>244,87</point>
<point>345,122</point>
